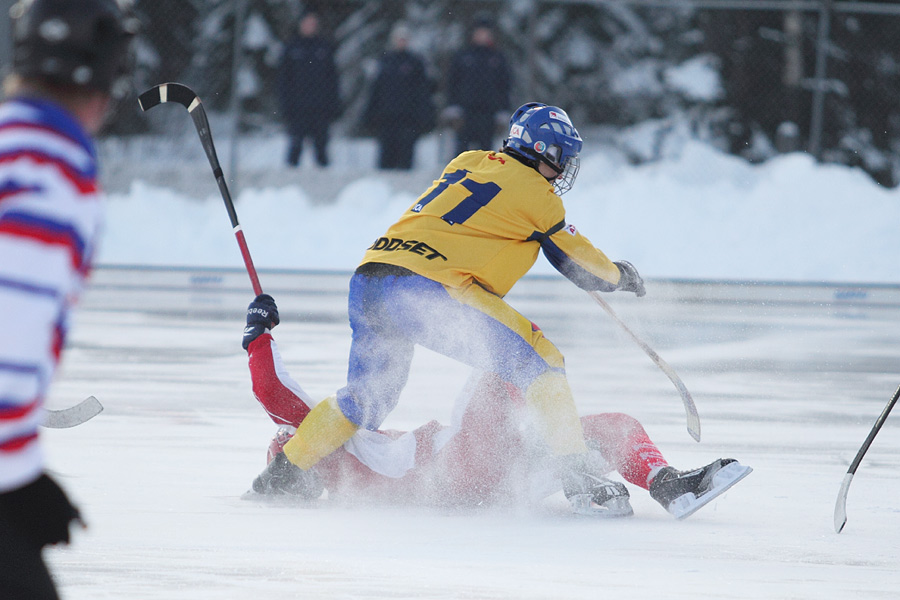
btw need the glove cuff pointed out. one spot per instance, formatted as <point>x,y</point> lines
<point>251,332</point>
<point>629,279</point>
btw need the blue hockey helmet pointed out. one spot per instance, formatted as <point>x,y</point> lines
<point>542,133</point>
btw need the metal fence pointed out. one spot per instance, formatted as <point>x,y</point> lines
<point>755,77</point>
<point>830,87</point>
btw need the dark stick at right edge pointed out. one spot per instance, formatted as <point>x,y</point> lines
<point>840,507</point>
<point>185,96</point>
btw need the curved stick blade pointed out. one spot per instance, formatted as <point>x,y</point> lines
<point>168,92</point>
<point>840,506</point>
<point>64,418</point>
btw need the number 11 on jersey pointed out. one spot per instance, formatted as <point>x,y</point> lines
<point>480,194</point>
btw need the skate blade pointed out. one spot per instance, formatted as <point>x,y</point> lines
<point>686,505</point>
<point>277,499</point>
<point>613,508</point>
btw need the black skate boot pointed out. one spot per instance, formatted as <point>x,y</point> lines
<point>281,478</point>
<point>596,496</point>
<point>682,493</point>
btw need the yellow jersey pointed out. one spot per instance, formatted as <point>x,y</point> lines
<point>483,222</point>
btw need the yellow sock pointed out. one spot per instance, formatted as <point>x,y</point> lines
<point>324,430</point>
<point>550,397</point>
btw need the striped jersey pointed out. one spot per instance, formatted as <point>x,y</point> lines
<point>50,217</point>
<point>483,222</point>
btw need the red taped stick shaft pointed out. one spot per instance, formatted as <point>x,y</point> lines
<point>248,262</point>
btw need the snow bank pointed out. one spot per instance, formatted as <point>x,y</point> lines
<point>700,215</point>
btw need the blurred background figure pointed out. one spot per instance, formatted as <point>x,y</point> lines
<point>69,60</point>
<point>478,89</point>
<point>400,107</point>
<point>308,93</point>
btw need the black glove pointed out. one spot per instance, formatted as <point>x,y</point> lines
<point>629,279</point>
<point>262,314</point>
<point>40,511</point>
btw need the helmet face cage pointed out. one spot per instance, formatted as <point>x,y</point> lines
<point>545,134</point>
<point>566,179</point>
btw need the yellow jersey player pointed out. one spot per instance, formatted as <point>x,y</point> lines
<point>437,278</point>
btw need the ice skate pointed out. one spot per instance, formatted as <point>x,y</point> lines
<point>283,479</point>
<point>682,493</point>
<point>597,496</point>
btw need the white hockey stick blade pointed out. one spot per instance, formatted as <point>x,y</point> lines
<point>840,506</point>
<point>82,412</point>
<point>684,506</point>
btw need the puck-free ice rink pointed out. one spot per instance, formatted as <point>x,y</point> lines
<point>787,378</point>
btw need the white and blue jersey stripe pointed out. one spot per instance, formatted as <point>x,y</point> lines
<point>50,217</point>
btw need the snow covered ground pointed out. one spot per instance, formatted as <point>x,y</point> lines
<point>788,379</point>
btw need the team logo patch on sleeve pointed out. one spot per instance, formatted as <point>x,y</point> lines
<point>571,229</point>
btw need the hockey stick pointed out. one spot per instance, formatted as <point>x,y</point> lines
<point>185,96</point>
<point>82,412</point>
<point>693,418</point>
<point>840,507</point>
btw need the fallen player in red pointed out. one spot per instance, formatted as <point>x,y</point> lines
<point>488,456</point>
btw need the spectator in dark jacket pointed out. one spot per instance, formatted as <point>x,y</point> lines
<point>308,90</point>
<point>400,107</point>
<point>478,86</point>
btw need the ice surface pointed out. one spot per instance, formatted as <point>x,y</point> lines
<point>788,379</point>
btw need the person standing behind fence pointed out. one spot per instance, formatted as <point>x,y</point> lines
<point>308,90</point>
<point>400,106</point>
<point>69,59</point>
<point>478,87</point>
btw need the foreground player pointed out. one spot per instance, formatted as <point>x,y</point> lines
<point>68,57</point>
<point>438,276</point>
<point>488,456</point>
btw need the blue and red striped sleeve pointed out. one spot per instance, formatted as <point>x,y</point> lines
<point>50,218</point>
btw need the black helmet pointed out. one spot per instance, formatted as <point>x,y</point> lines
<point>79,42</point>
